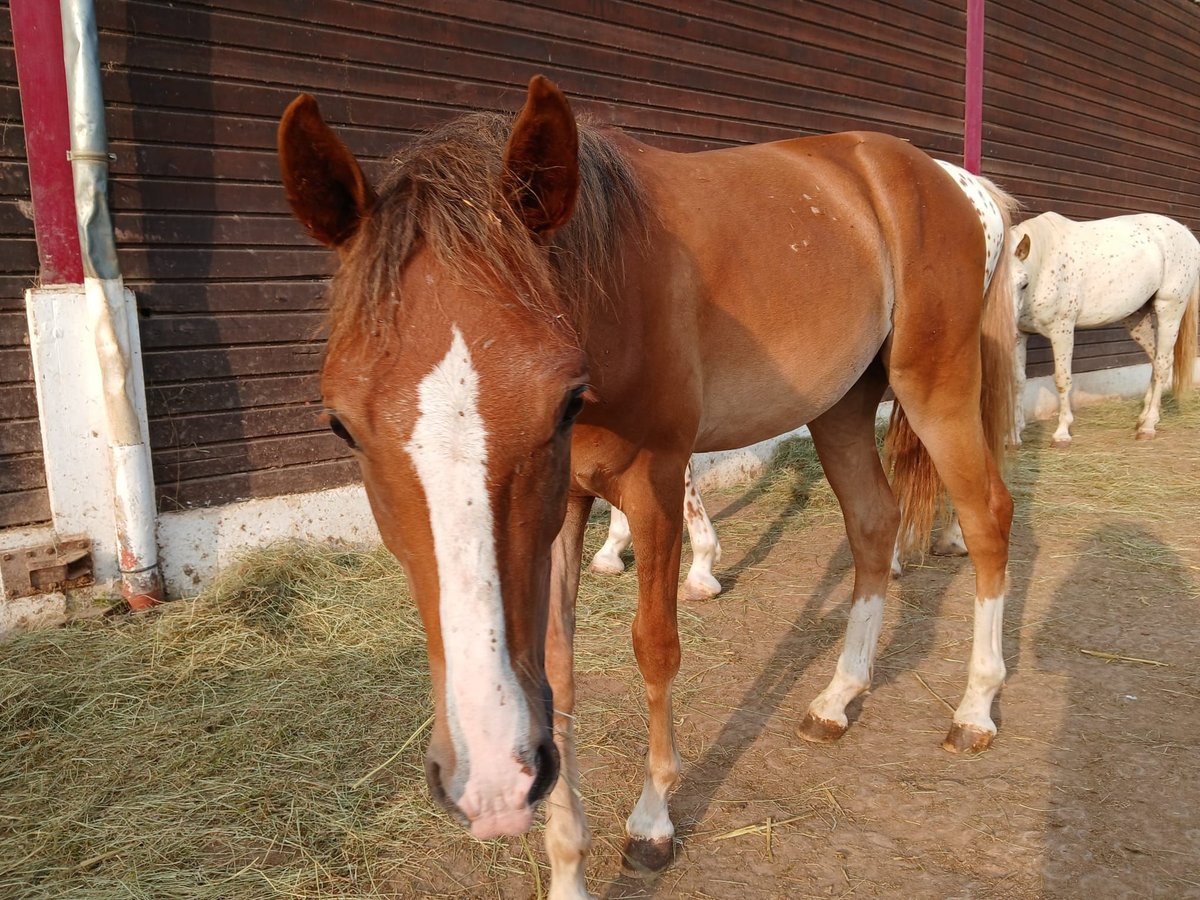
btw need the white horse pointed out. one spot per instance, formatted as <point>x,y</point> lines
<point>706,549</point>
<point>1142,271</point>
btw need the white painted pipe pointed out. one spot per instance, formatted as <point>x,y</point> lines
<point>128,446</point>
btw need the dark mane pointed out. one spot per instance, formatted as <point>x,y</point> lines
<point>443,190</point>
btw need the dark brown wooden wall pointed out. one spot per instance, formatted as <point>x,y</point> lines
<point>230,290</point>
<point>23,497</point>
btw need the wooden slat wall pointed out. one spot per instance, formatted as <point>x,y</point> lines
<point>1092,109</point>
<point>230,289</point>
<point>23,497</point>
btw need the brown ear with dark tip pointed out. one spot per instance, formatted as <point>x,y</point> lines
<point>541,161</point>
<point>325,186</point>
<point>1022,251</point>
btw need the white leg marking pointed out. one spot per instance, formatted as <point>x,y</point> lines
<point>986,672</point>
<point>486,708</point>
<point>607,560</point>
<point>706,548</point>
<point>853,675</point>
<point>568,838</point>
<point>651,818</point>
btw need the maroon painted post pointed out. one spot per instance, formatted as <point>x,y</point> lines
<point>38,42</point>
<point>973,107</point>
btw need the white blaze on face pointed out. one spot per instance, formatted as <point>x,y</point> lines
<point>487,714</point>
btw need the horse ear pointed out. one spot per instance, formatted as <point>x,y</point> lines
<point>325,186</point>
<point>541,161</point>
<point>1022,251</point>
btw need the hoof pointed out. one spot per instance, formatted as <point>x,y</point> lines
<point>1144,436</point>
<point>1061,444</point>
<point>819,731</point>
<point>608,565</point>
<point>646,857</point>
<point>699,589</point>
<point>947,548</point>
<point>967,739</point>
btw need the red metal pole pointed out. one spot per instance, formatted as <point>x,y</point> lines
<point>973,111</point>
<point>38,42</point>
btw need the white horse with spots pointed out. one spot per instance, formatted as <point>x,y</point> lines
<point>1142,271</point>
<point>706,549</point>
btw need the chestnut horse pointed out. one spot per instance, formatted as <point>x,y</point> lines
<point>532,313</point>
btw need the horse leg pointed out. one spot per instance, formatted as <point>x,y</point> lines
<point>1019,354</point>
<point>1168,313</point>
<point>567,836</point>
<point>652,504</point>
<point>607,560</point>
<point>950,541</point>
<point>844,438</point>
<point>706,548</point>
<point>949,426</point>
<point>1062,341</point>
<point>1140,326</point>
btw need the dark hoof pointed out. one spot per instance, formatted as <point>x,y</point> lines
<point>819,731</point>
<point>645,857</point>
<point>1060,445</point>
<point>967,739</point>
<point>1144,436</point>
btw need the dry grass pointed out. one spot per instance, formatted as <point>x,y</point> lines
<point>1145,483</point>
<point>245,743</point>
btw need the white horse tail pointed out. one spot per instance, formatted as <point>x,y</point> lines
<point>1185,345</point>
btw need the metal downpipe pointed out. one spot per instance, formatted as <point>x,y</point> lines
<point>128,447</point>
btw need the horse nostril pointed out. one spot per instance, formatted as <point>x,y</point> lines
<point>547,772</point>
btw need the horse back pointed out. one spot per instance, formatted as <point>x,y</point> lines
<point>776,266</point>
<point>1101,271</point>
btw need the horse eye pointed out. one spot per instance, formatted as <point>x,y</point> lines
<point>573,407</point>
<point>336,426</point>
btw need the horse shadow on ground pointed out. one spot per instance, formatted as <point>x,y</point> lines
<point>1121,817</point>
<point>809,634</point>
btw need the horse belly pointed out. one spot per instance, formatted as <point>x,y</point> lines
<point>1118,287</point>
<point>758,395</point>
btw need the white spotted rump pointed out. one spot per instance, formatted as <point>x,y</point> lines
<point>486,712</point>
<point>985,208</point>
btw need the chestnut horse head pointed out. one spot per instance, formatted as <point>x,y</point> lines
<point>455,375</point>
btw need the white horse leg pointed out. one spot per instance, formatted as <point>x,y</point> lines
<point>950,541</point>
<point>706,548</point>
<point>1019,354</point>
<point>607,560</point>
<point>1168,314</point>
<point>1062,340</point>
<point>568,838</point>
<point>1141,327</point>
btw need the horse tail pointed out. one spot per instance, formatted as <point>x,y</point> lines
<point>1185,345</point>
<point>915,481</point>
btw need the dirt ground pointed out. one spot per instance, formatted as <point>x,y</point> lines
<point>1091,788</point>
